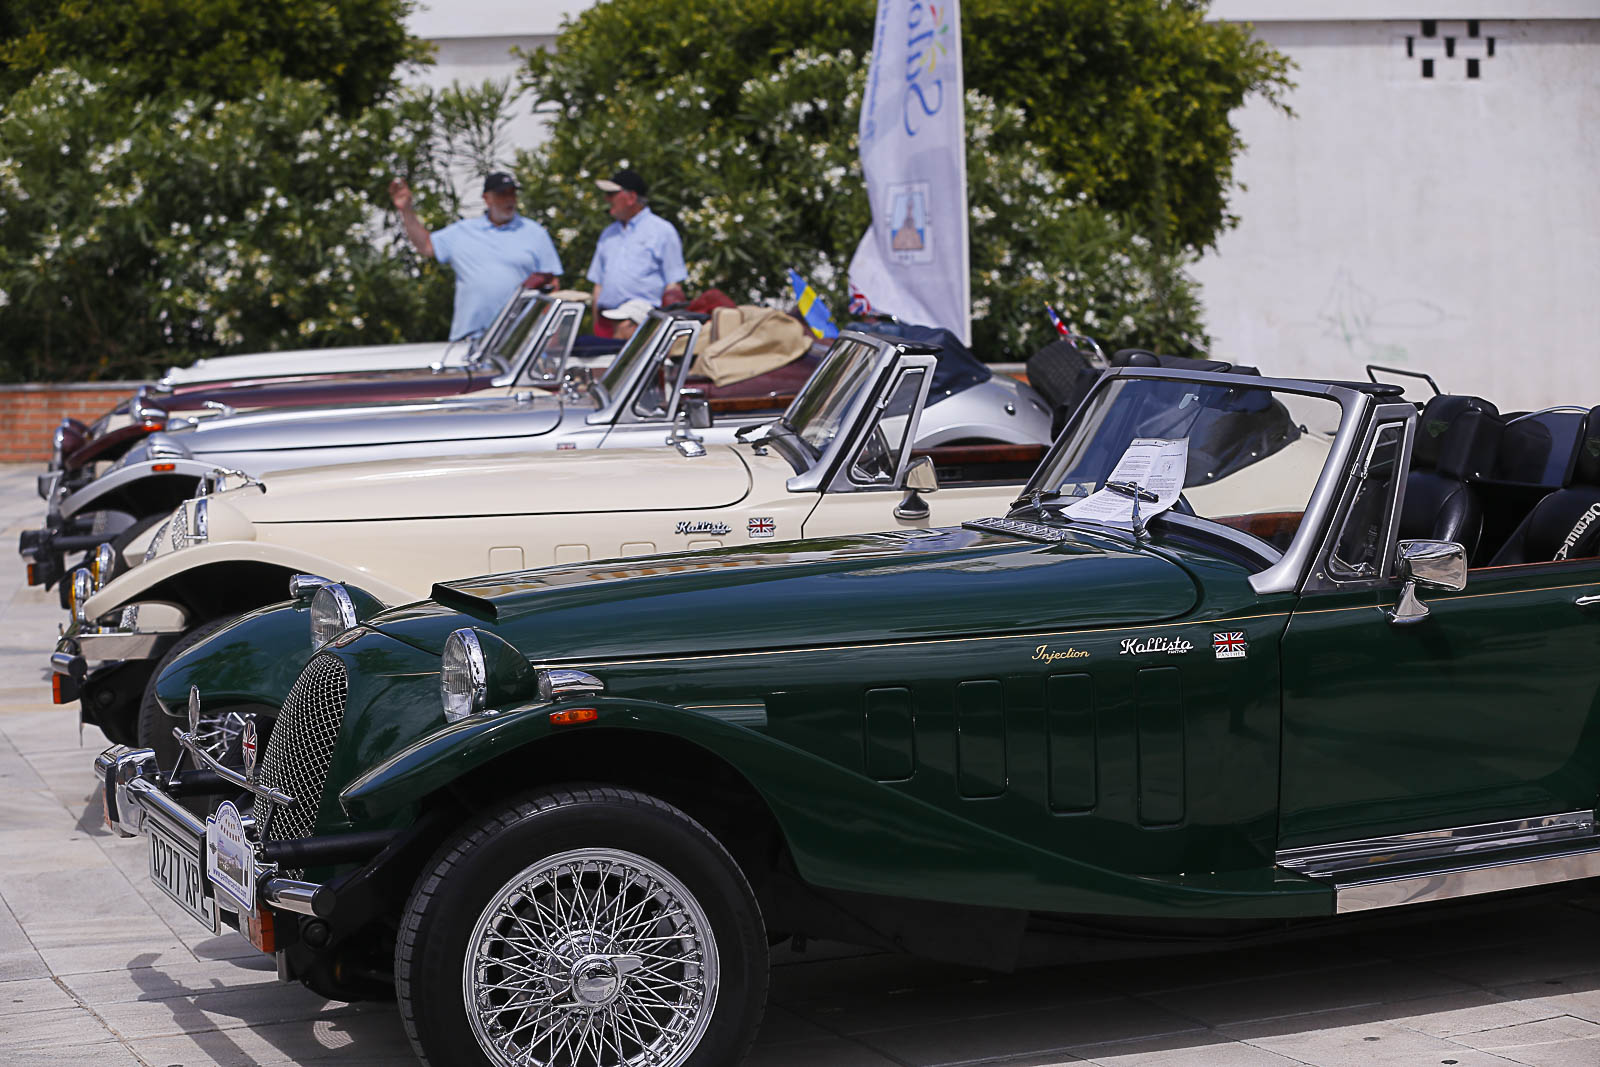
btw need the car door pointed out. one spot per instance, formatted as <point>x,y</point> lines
<point>1482,711</point>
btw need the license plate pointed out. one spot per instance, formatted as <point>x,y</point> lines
<point>178,871</point>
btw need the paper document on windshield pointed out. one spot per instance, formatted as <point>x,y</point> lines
<point>1151,470</point>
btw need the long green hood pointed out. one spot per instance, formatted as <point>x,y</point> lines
<point>875,587</point>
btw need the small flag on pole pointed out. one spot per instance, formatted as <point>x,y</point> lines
<point>1055,320</point>
<point>815,312</point>
<point>860,306</point>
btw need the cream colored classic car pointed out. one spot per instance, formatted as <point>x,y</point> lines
<point>840,460</point>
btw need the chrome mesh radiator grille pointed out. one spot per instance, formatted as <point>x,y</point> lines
<point>300,748</point>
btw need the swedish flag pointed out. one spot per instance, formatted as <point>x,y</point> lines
<point>815,312</point>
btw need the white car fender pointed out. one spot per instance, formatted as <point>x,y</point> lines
<point>127,588</point>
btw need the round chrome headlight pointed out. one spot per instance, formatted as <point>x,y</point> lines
<point>82,590</point>
<point>332,613</point>
<point>463,676</point>
<point>102,565</point>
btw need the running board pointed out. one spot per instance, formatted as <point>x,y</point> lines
<point>1387,872</point>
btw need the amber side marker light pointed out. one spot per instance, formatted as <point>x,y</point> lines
<point>573,716</point>
<point>55,689</point>
<point>162,468</point>
<point>30,575</point>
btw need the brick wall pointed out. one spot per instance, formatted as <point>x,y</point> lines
<point>29,413</point>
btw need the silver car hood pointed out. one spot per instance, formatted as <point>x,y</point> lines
<point>374,424</point>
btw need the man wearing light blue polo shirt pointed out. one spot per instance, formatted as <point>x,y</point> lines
<point>638,257</point>
<point>492,254</point>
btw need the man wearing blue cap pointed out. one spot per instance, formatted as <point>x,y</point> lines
<point>638,257</point>
<point>492,254</point>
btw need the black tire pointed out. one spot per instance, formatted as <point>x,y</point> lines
<point>154,724</point>
<point>474,868</point>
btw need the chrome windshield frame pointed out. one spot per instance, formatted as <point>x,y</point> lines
<point>861,413</point>
<point>1291,569</point>
<point>618,404</point>
<point>550,315</point>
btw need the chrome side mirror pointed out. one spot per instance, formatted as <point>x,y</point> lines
<point>697,407</point>
<point>920,477</point>
<point>1431,565</point>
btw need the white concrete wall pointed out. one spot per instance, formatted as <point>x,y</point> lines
<point>1446,225</point>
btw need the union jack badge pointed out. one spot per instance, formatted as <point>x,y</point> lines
<point>765,526</point>
<point>1229,645</point>
<point>247,745</point>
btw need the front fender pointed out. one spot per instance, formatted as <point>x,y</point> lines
<point>207,566</point>
<point>253,660</point>
<point>144,488</point>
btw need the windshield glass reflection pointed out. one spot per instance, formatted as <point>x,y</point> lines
<point>1254,454</point>
<point>818,411</point>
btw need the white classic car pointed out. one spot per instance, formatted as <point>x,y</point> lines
<point>842,459</point>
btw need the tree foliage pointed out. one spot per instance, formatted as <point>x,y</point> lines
<point>775,182</point>
<point>137,232</point>
<point>222,48</point>
<point>1128,99</point>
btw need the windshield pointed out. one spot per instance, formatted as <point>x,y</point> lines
<point>515,331</point>
<point>818,411</point>
<point>1247,457</point>
<point>641,342</point>
<point>546,363</point>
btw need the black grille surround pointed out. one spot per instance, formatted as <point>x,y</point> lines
<point>300,749</point>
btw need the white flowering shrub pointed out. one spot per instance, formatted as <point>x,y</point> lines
<point>137,232</point>
<point>771,179</point>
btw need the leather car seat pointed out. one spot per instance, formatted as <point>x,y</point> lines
<point>1566,523</point>
<point>1455,441</point>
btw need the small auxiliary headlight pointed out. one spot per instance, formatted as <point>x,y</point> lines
<point>82,590</point>
<point>102,565</point>
<point>332,613</point>
<point>463,676</point>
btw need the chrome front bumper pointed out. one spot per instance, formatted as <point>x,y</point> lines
<point>134,795</point>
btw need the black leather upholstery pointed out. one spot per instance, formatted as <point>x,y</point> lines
<point>1566,523</point>
<point>1455,441</point>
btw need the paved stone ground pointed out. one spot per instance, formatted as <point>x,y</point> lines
<point>97,968</point>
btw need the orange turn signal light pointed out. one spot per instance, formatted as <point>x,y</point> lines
<point>162,468</point>
<point>55,689</point>
<point>573,716</point>
<point>152,425</point>
<point>30,575</point>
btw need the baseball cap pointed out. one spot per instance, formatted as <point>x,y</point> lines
<point>626,178</point>
<point>498,182</point>
<point>637,310</point>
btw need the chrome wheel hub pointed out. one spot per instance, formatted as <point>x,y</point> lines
<point>591,958</point>
<point>219,736</point>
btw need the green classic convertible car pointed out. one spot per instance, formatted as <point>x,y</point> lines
<point>1244,650</point>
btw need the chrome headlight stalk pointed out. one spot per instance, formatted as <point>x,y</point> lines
<point>463,676</point>
<point>558,683</point>
<point>332,613</point>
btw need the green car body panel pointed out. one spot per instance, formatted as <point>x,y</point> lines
<point>1074,765</point>
<point>985,717</point>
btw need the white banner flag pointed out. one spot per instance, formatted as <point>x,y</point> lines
<point>913,262</point>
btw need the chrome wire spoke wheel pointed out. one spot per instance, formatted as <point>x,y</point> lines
<point>218,736</point>
<point>591,958</point>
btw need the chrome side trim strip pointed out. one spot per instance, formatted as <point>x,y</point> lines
<point>1350,856</point>
<point>1468,881</point>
